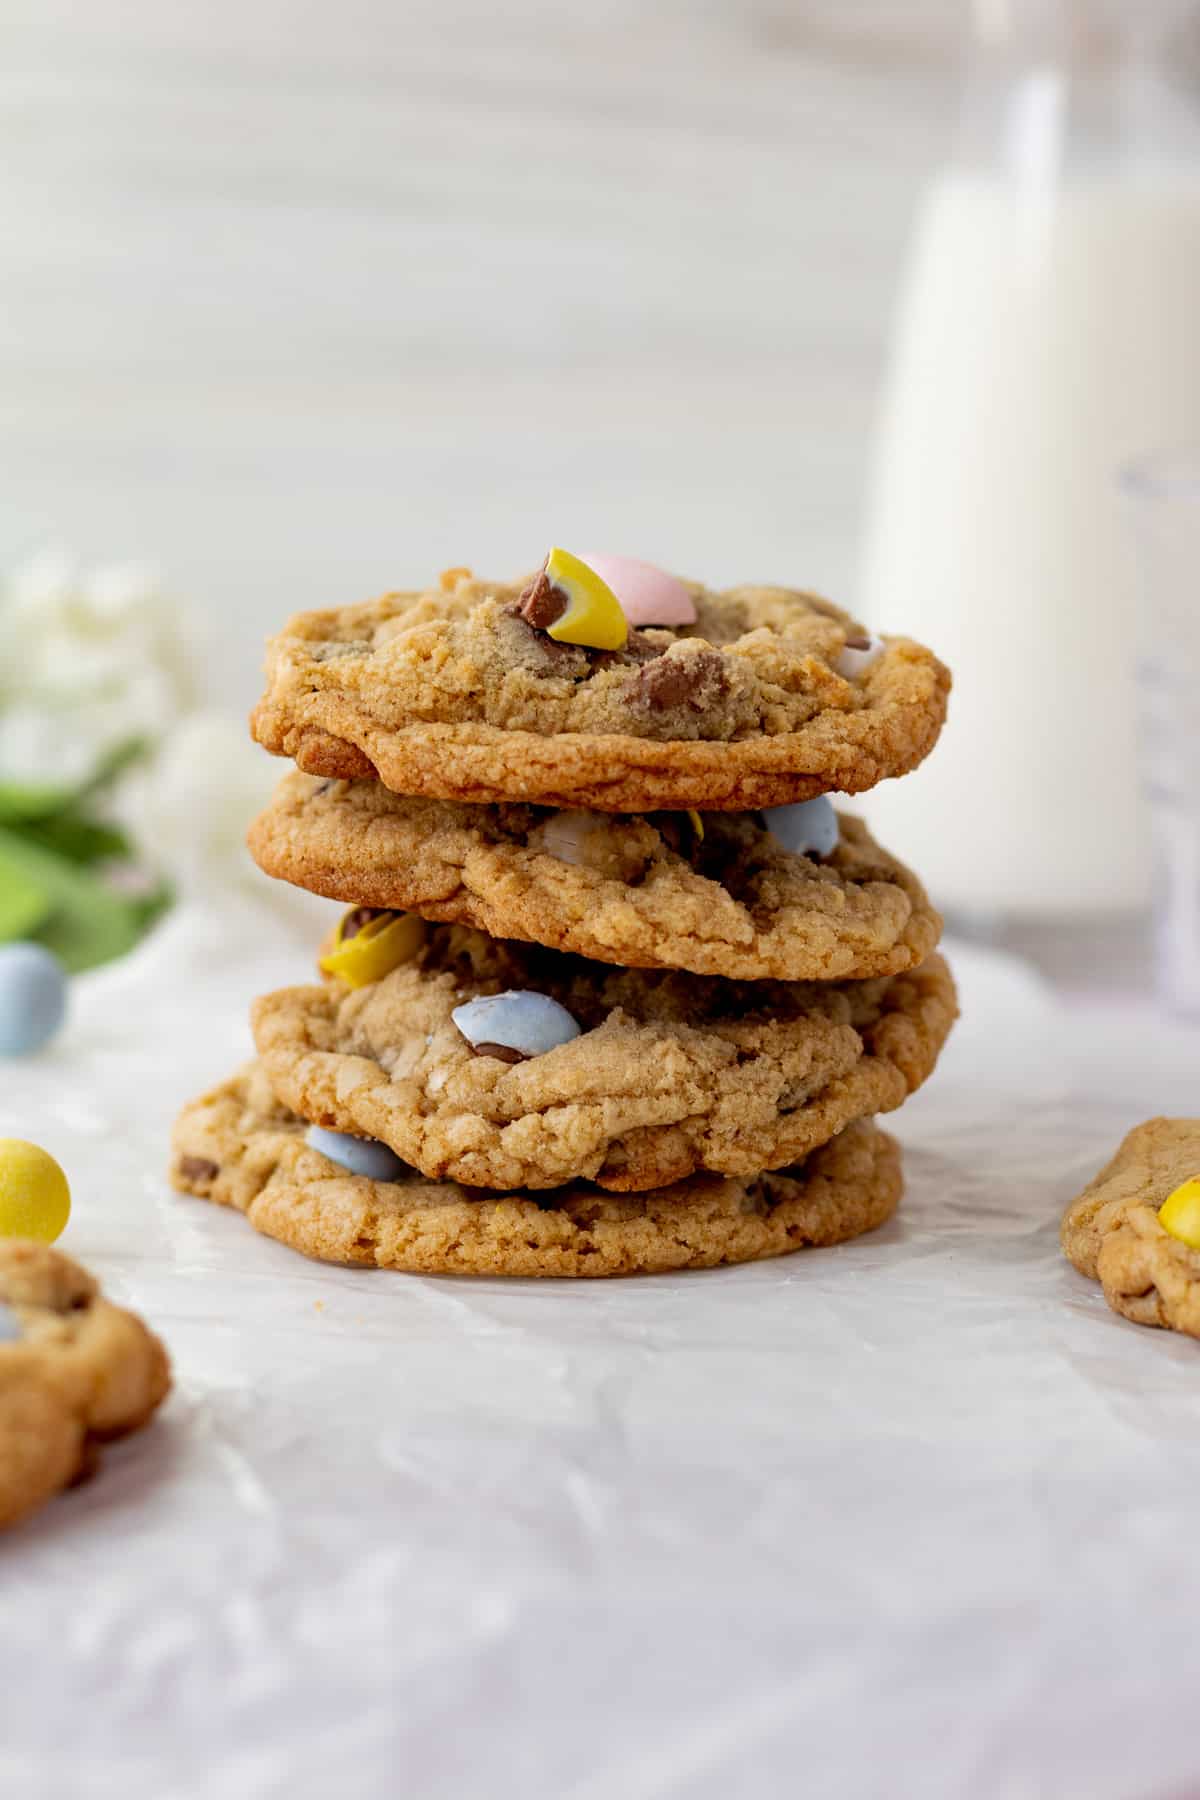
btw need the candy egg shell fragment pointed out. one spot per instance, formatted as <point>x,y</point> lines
<point>361,1156</point>
<point>859,654</point>
<point>808,828</point>
<point>1180,1213</point>
<point>647,596</point>
<point>519,1020</point>
<point>10,1325</point>
<point>379,947</point>
<point>35,1201</point>
<point>33,998</point>
<point>593,615</point>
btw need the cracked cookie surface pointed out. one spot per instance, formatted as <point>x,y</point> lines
<point>74,1370</point>
<point>239,1146</point>
<point>643,891</point>
<point>452,694</point>
<point>1112,1234</point>
<point>671,1073</point>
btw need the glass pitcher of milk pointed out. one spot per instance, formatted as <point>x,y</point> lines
<point>1048,331</point>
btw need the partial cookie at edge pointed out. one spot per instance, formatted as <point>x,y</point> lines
<point>82,1371</point>
<point>1112,1234</point>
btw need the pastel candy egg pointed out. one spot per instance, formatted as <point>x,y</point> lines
<point>361,1156</point>
<point>1180,1213</point>
<point>368,948</point>
<point>35,1201</point>
<point>571,604</point>
<point>519,1022</point>
<point>859,653</point>
<point>33,998</point>
<point>810,828</point>
<point>648,596</point>
<point>10,1325</point>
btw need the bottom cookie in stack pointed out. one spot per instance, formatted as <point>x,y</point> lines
<point>238,1145</point>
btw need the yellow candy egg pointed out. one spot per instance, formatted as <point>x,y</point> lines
<point>380,946</point>
<point>593,616</point>
<point>1180,1213</point>
<point>697,825</point>
<point>35,1201</point>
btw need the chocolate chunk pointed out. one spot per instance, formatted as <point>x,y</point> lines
<point>354,921</point>
<point>637,649</point>
<point>198,1168</point>
<point>502,1052</point>
<point>694,681</point>
<point>542,603</point>
<point>858,642</point>
<point>559,659</point>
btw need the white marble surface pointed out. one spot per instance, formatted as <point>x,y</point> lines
<point>308,302</point>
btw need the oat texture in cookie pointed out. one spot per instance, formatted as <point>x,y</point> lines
<point>1114,1234</point>
<point>74,1371</point>
<point>240,1147</point>
<point>645,891</point>
<point>461,693</point>
<point>670,1073</point>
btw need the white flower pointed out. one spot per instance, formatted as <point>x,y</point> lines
<point>190,806</point>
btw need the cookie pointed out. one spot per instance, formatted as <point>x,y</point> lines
<point>456,695</point>
<point>74,1370</point>
<point>650,891</point>
<point>239,1147</point>
<point>1112,1232</point>
<point>668,1074</point>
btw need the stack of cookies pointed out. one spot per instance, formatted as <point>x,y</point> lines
<point>617,989</point>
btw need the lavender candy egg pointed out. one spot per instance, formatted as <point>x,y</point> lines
<point>359,1156</point>
<point>519,1020</point>
<point>810,828</point>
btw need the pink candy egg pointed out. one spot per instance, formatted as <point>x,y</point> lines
<point>648,596</point>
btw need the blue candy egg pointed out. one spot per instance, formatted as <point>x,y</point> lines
<point>360,1156</point>
<point>519,1020</point>
<point>10,1325</point>
<point>809,828</point>
<point>33,998</point>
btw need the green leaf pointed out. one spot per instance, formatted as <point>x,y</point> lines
<point>85,923</point>
<point>24,803</point>
<point>77,838</point>
<point>24,902</point>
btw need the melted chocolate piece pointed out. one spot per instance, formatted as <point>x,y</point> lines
<point>502,1052</point>
<point>671,681</point>
<point>541,603</point>
<point>198,1168</point>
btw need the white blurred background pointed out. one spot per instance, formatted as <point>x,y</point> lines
<point>306,301</point>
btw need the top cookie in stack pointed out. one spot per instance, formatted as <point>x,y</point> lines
<point>599,766</point>
<point>600,684</point>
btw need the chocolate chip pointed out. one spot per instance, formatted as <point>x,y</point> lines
<point>354,921</point>
<point>858,642</point>
<point>198,1168</point>
<point>671,681</point>
<point>541,603</point>
<point>559,659</point>
<point>637,649</point>
<point>502,1052</point>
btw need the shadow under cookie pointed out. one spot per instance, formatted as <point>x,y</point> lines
<point>238,1146</point>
